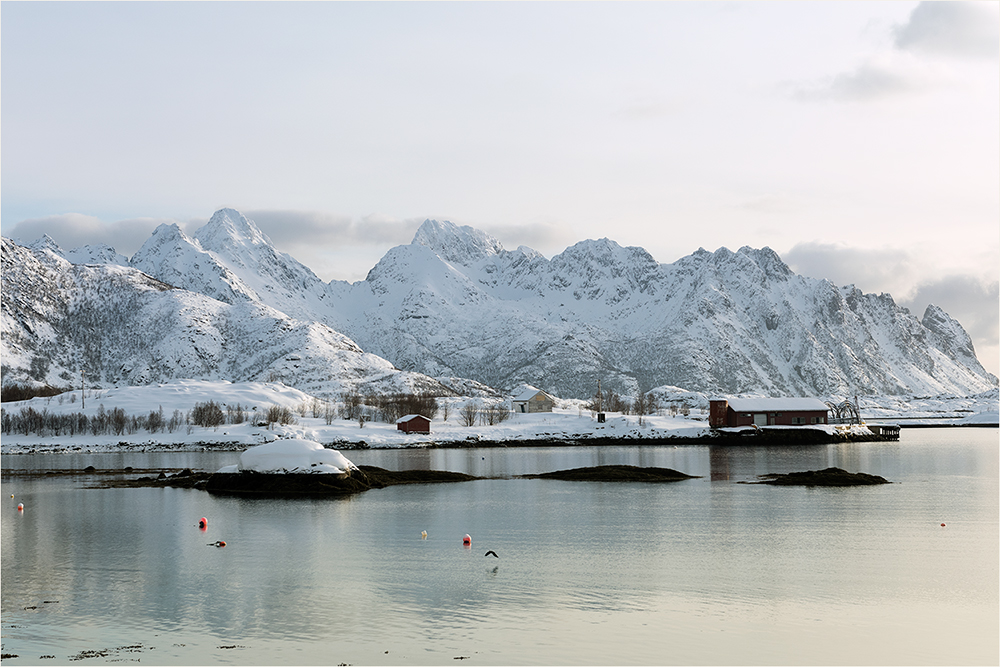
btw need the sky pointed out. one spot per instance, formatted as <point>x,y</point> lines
<point>859,140</point>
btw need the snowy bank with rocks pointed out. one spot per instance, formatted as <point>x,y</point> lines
<point>570,422</point>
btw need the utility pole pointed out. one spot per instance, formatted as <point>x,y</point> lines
<point>83,391</point>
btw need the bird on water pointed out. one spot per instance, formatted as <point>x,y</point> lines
<point>491,553</point>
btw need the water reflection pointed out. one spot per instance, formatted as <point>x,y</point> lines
<point>587,572</point>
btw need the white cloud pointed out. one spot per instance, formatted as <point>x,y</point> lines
<point>293,229</point>
<point>871,270</point>
<point>72,230</point>
<point>869,81</point>
<point>964,29</point>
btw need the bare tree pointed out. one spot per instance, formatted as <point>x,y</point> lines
<point>496,412</point>
<point>469,413</point>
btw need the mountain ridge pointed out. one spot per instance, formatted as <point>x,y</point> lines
<point>455,303</point>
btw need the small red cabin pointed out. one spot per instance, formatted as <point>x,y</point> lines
<point>413,424</point>
<point>767,412</point>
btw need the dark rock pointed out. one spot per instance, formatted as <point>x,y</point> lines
<point>614,473</point>
<point>827,477</point>
<point>318,484</point>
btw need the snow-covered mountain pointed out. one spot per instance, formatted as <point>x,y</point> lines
<point>454,301</point>
<point>123,327</point>
<point>455,304</point>
<point>231,260</point>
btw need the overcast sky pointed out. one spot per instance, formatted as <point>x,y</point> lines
<point>859,140</point>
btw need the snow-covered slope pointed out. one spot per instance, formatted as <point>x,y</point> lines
<point>231,260</point>
<point>455,304</point>
<point>123,327</point>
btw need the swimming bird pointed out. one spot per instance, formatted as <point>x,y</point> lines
<point>491,553</point>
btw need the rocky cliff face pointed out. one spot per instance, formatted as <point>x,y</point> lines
<point>735,322</point>
<point>123,327</point>
<point>454,303</point>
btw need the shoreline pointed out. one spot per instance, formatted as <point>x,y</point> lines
<point>780,436</point>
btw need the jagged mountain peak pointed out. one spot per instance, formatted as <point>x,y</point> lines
<point>530,253</point>
<point>949,329</point>
<point>99,253</point>
<point>768,261</point>
<point>452,243</point>
<point>607,251</point>
<point>45,242</point>
<point>228,228</point>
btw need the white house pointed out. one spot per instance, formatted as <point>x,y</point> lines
<point>533,400</point>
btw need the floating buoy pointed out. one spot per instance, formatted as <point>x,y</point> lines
<point>423,534</point>
<point>467,541</point>
<point>218,543</point>
<point>942,525</point>
<point>20,508</point>
<point>203,523</point>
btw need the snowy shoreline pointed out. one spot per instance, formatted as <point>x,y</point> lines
<point>569,424</point>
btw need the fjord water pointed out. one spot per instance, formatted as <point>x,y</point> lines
<point>704,571</point>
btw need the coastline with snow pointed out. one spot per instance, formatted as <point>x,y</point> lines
<point>569,424</point>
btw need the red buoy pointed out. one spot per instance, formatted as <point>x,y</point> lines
<point>942,525</point>
<point>20,508</point>
<point>467,541</point>
<point>203,523</point>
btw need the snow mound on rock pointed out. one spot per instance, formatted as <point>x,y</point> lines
<point>292,456</point>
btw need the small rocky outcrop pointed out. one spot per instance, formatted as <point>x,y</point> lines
<point>297,484</point>
<point>827,477</point>
<point>614,473</point>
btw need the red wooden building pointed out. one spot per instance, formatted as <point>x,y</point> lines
<point>413,424</point>
<point>767,412</point>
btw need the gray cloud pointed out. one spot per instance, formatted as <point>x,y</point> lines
<point>545,237</point>
<point>964,29</point>
<point>291,229</point>
<point>866,83</point>
<point>970,299</point>
<point>967,29</point>
<point>870,270</point>
<point>73,230</point>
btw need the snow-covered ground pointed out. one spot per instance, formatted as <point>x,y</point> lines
<point>292,456</point>
<point>570,420</point>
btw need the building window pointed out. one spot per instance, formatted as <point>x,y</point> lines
<point>798,420</point>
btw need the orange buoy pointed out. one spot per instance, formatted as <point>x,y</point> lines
<point>203,523</point>
<point>217,543</point>
<point>467,541</point>
<point>20,508</point>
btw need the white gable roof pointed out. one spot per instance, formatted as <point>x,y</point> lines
<point>409,417</point>
<point>528,394</point>
<point>776,404</point>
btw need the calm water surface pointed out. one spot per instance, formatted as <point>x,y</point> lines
<point>705,571</point>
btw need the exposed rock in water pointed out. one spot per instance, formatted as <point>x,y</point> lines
<point>614,473</point>
<point>827,477</point>
<point>363,479</point>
